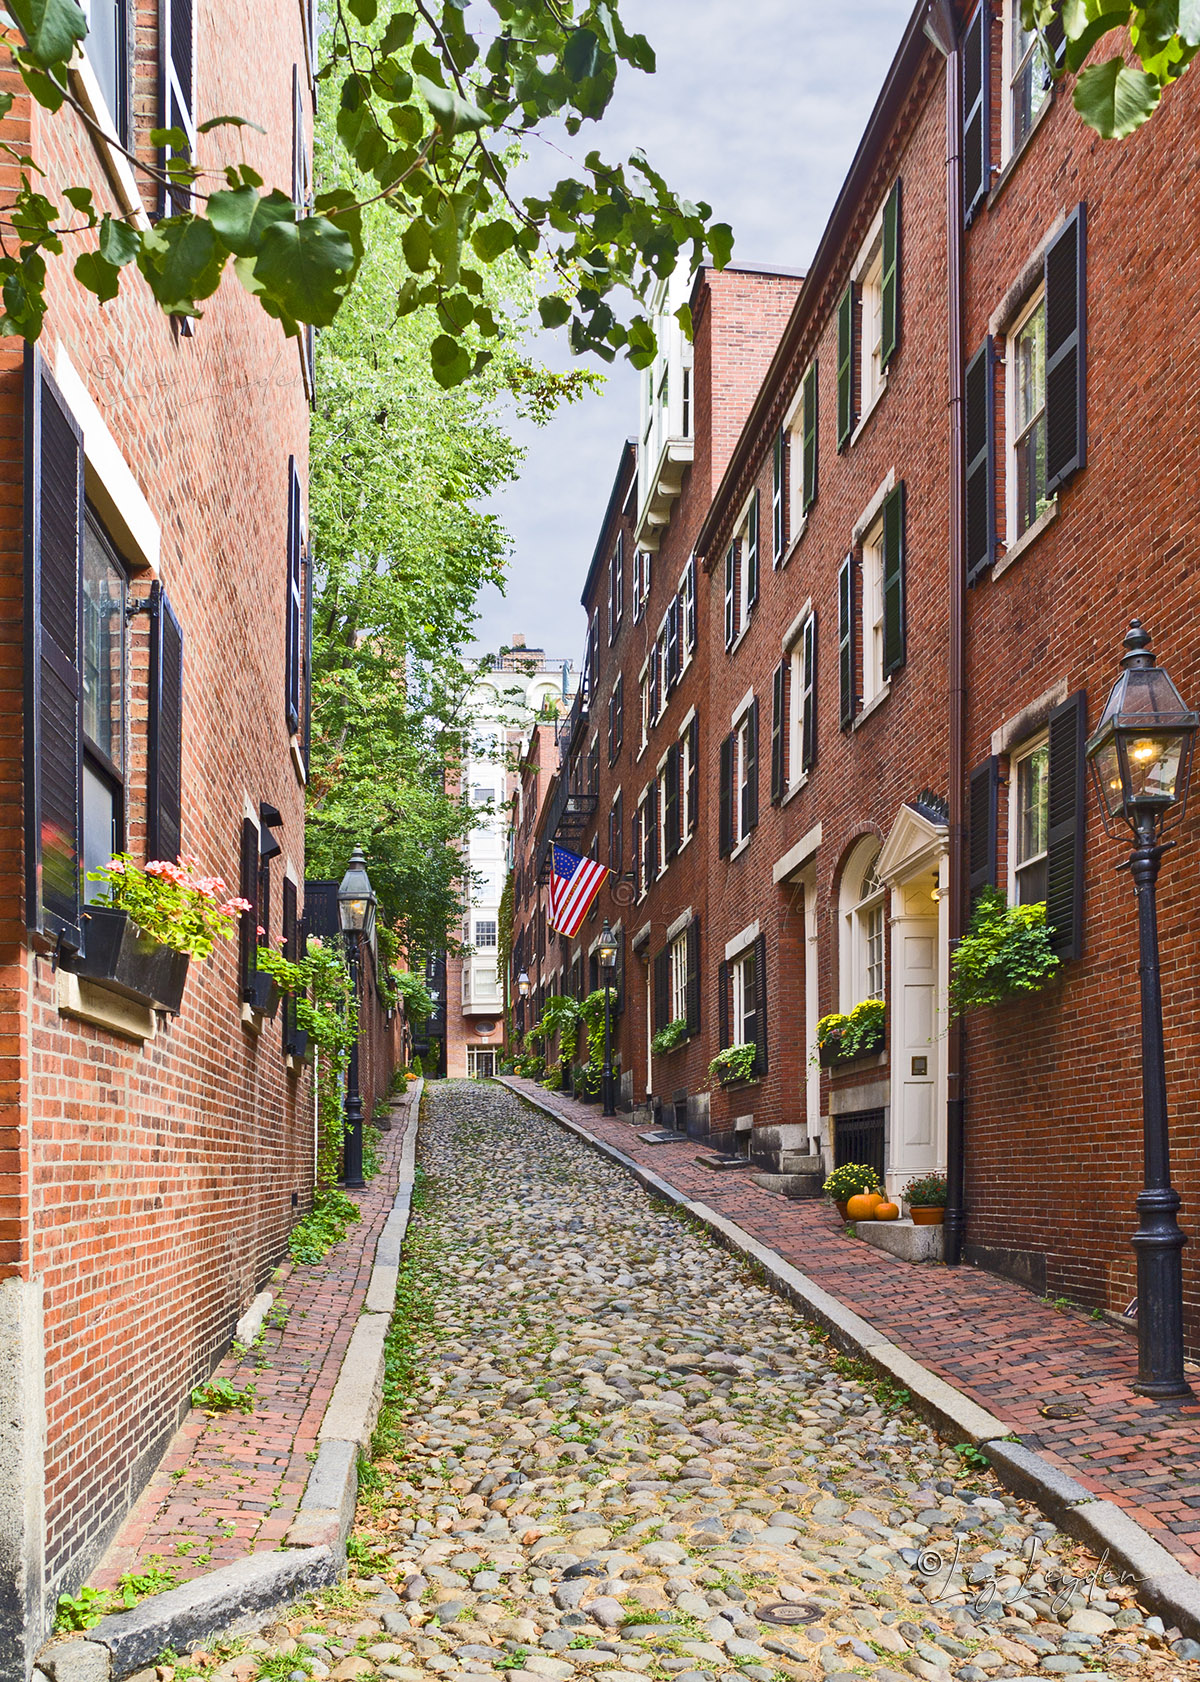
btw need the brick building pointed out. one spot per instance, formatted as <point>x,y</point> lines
<point>519,684</point>
<point>153,576</point>
<point>918,537</point>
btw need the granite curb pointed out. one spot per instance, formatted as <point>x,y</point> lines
<point>242,1597</point>
<point>1163,1584</point>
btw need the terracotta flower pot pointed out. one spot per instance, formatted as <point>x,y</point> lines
<point>926,1214</point>
<point>843,1209</point>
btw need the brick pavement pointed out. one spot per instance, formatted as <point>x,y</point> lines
<point>993,1340</point>
<point>230,1484</point>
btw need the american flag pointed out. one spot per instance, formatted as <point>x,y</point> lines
<point>574,884</point>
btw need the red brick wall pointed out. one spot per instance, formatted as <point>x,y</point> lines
<point>150,1188</point>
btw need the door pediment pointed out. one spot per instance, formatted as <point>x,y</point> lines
<point>914,843</point>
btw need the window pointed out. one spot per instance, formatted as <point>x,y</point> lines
<point>1027,419</point>
<point>107,47</point>
<point>644,706</point>
<point>871,319</point>
<point>1030,78</point>
<point>778,492</point>
<point>641,582</point>
<point>686,611</point>
<point>616,588</point>
<point>481,796</point>
<point>741,573</point>
<point>298,636</point>
<point>616,835</point>
<point>105,590</point>
<point>593,767</point>
<point>679,978</point>
<point>689,790</point>
<point>481,1062</point>
<point>485,933</point>
<point>738,799</point>
<point>864,971</point>
<point>872,614</point>
<point>1030,822</point>
<point>745,997</point>
<point>793,722</point>
<point>616,719</point>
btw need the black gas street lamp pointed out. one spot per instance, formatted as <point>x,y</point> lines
<point>523,985</point>
<point>356,914</point>
<point>607,955</point>
<point>1141,760</point>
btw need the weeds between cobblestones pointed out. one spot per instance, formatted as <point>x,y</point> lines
<point>607,1451</point>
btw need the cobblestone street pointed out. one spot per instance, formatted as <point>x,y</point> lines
<point>610,1452</point>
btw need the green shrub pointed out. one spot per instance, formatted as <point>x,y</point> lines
<point>666,1039</point>
<point>1005,953</point>
<point>850,1179</point>
<point>326,1224</point>
<point>736,1062</point>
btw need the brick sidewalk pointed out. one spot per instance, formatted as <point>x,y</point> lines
<point>230,1485</point>
<point>993,1340</point>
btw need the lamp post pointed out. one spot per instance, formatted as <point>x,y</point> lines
<point>356,914</point>
<point>607,954</point>
<point>1141,760</point>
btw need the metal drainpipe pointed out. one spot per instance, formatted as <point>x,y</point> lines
<point>941,26</point>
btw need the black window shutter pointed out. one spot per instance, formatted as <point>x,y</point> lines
<point>693,976</point>
<point>53,692</point>
<point>845,365</point>
<point>846,661</point>
<point>976,158</point>
<point>1066,351</point>
<point>1064,844</point>
<point>751,560</point>
<point>750,791</point>
<point>671,815</point>
<point>176,89</point>
<point>295,600</point>
<point>654,682</point>
<point>981,828</point>
<point>308,655</point>
<point>980,475</point>
<point>248,921</point>
<point>890,284</point>
<point>894,638</point>
<point>652,820</point>
<point>725,800</point>
<point>164,769</point>
<point>619,1001</point>
<point>616,845</point>
<point>778,695</point>
<point>723,1006</point>
<point>690,627</point>
<point>693,788</point>
<point>760,1000</point>
<point>810,435</point>
<point>673,656</point>
<point>295,1041</point>
<point>777,477</point>
<point>808,708</point>
<point>662,989</point>
<point>321,909</point>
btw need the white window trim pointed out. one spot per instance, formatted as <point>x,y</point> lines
<point>741,534</point>
<point>741,942</point>
<point>109,479</point>
<point>737,978</point>
<point>678,976</point>
<point>1013,542</point>
<point>793,652</point>
<point>870,250</point>
<point>1029,746</point>
<point>1010,147</point>
<point>742,708</point>
<point>872,682</point>
<point>85,85</point>
<point>870,514</point>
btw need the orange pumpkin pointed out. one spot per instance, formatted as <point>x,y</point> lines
<point>862,1206</point>
<point>887,1212</point>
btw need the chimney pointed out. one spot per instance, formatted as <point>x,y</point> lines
<point>518,640</point>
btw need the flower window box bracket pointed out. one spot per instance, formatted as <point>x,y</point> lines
<point>118,955</point>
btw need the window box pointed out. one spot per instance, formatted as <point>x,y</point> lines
<point>830,1055</point>
<point>119,956</point>
<point>262,994</point>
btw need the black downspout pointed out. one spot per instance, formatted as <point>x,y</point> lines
<point>941,26</point>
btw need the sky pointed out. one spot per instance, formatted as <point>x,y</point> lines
<point>757,107</point>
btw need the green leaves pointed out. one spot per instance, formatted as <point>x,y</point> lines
<point>452,112</point>
<point>181,260</point>
<point>303,269</point>
<point>1114,99</point>
<point>50,28</point>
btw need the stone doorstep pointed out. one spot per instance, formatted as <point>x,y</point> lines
<point>723,1163</point>
<point>245,1595</point>
<point>799,1186</point>
<point>902,1239</point>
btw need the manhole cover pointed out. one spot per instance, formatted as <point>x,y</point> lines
<point>1061,1410</point>
<point>783,1612</point>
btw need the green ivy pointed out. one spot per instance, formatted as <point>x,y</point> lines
<point>666,1039</point>
<point>736,1062</point>
<point>1005,954</point>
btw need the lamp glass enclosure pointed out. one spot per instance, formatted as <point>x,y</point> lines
<point>523,985</point>
<point>607,949</point>
<point>356,898</point>
<point>1141,753</point>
